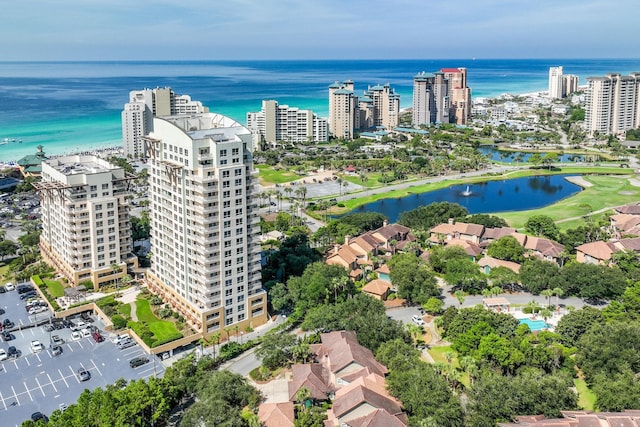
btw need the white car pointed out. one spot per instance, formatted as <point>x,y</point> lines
<point>75,336</point>
<point>36,346</point>
<point>10,286</point>
<point>119,338</point>
<point>3,354</point>
<point>36,310</point>
<point>417,320</point>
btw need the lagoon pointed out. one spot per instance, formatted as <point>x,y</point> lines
<point>516,194</point>
<point>497,155</point>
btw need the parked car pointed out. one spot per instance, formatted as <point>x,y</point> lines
<point>36,346</point>
<point>1,311</point>
<point>36,310</point>
<point>3,289</point>
<point>138,361</point>
<point>75,336</point>
<point>119,338</point>
<point>85,333</point>
<point>27,295</point>
<point>417,320</point>
<point>37,416</point>
<point>8,324</point>
<point>97,337</point>
<point>7,336</point>
<point>78,326</point>
<point>56,340</point>
<point>23,289</point>
<point>126,344</point>
<point>3,354</point>
<point>13,352</point>
<point>10,286</point>
<point>56,350</point>
<point>83,374</point>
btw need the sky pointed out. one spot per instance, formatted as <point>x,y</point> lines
<point>49,30</point>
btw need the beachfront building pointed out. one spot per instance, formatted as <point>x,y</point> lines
<point>441,97</point>
<point>612,104</point>
<point>86,230</point>
<point>561,85</point>
<point>204,222</point>
<point>281,123</point>
<point>379,107</point>
<point>459,95</point>
<point>143,105</point>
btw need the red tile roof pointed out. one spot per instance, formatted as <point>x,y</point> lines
<point>276,414</point>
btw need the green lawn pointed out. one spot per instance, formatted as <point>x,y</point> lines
<point>438,354</point>
<point>4,269</point>
<point>56,289</point>
<point>607,192</point>
<point>125,310</point>
<point>162,329</point>
<point>269,176</point>
<point>586,397</point>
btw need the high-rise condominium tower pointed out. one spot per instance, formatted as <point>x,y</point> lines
<point>348,113</point>
<point>561,85</point>
<point>275,122</point>
<point>86,231</point>
<point>204,221</point>
<point>430,99</point>
<point>612,104</point>
<point>143,105</point>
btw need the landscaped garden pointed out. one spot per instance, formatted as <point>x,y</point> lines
<point>154,322</point>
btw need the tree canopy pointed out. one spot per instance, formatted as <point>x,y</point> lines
<point>426,217</point>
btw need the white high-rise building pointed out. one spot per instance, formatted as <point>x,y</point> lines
<point>612,104</point>
<point>204,221</point>
<point>555,82</point>
<point>343,105</point>
<point>86,230</point>
<point>143,105</point>
<point>561,85</point>
<point>275,123</point>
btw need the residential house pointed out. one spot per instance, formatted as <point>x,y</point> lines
<point>628,418</point>
<point>600,252</point>
<point>276,414</point>
<point>470,248</point>
<point>365,397</point>
<point>312,376</point>
<point>355,253</point>
<point>545,249</point>
<point>342,355</point>
<point>378,289</point>
<point>450,230</point>
<point>486,263</point>
<point>625,224</point>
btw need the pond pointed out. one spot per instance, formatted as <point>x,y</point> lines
<point>517,194</point>
<point>520,156</point>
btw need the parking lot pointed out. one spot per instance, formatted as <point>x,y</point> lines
<point>43,382</point>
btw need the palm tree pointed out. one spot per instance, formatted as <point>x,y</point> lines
<point>487,292</point>
<point>302,395</point>
<point>558,292</point>
<point>415,331</point>
<point>496,290</point>
<point>533,305</point>
<point>339,181</point>
<point>545,314</point>
<point>460,296</point>
<point>115,268</point>
<point>547,293</point>
<point>216,338</point>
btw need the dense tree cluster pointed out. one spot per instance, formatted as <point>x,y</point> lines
<point>362,314</point>
<point>415,281</point>
<point>426,217</point>
<point>220,397</point>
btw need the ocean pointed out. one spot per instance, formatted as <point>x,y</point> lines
<point>75,106</point>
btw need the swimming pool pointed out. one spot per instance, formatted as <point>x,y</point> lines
<point>535,325</point>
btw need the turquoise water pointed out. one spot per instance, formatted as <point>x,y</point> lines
<point>535,325</point>
<point>71,106</point>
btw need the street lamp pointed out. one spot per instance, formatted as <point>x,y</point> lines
<point>241,334</point>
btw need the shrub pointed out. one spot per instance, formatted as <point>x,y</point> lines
<point>119,322</point>
<point>165,313</point>
<point>155,300</point>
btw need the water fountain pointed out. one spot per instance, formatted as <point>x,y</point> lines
<point>466,192</point>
